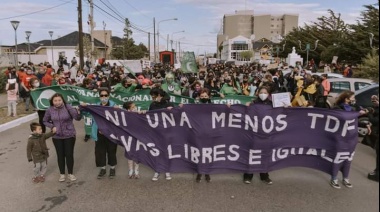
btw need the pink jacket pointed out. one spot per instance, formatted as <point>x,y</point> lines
<point>326,86</point>
<point>12,94</point>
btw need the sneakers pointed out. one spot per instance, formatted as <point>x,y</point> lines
<point>130,174</point>
<point>199,178</point>
<point>62,178</point>
<point>42,178</point>
<point>346,182</point>
<point>102,173</point>
<point>373,176</point>
<point>208,178</point>
<point>167,176</point>
<point>155,176</point>
<point>268,181</point>
<point>335,184</point>
<point>72,177</point>
<point>112,173</point>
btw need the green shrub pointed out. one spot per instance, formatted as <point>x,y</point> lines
<point>3,79</point>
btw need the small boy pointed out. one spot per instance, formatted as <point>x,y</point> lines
<point>37,151</point>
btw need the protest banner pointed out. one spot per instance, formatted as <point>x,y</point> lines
<point>75,95</point>
<point>210,139</point>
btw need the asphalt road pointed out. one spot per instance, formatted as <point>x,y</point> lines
<point>294,189</point>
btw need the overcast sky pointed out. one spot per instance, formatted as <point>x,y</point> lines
<point>200,19</point>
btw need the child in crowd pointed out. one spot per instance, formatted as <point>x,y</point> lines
<point>132,165</point>
<point>37,151</point>
<point>12,95</point>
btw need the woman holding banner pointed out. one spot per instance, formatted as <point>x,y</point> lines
<point>345,101</point>
<point>264,98</point>
<point>105,150</point>
<point>204,98</point>
<point>160,101</point>
<point>59,117</point>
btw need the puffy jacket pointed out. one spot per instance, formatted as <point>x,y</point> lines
<point>36,149</point>
<point>62,118</point>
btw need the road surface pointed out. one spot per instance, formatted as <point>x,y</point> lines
<point>294,189</point>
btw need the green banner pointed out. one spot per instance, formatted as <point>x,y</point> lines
<point>188,63</point>
<point>75,95</point>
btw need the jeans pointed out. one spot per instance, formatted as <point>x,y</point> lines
<point>65,153</point>
<point>40,168</point>
<point>12,107</point>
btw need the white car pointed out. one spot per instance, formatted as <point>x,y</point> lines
<point>338,85</point>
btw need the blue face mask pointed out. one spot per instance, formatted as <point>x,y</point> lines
<point>104,100</point>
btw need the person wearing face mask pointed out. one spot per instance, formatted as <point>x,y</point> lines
<point>204,98</point>
<point>127,86</point>
<point>160,101</point>
<point>245,86</point>
<point>345,101</point>
<point>105,150</point>
<point>230,87</point>
<point>25,92</point>
<point>59,117</point>
<point>170,86</point>
<point>34,84</point>
<point>264,98</point>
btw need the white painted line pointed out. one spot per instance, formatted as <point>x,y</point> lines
<point>18,121</point>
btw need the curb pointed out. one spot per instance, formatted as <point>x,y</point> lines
<point>18,122</point>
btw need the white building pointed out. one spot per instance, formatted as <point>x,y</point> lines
<point>232,49</point>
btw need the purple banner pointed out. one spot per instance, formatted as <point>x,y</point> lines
<point>212,139</point>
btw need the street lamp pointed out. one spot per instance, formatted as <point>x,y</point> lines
<point>370,41</point>
<point>158,30</point>
<point>171,40</point>
<point>307,49</point>
<point>15,25</point>
<point>278,49</point>
<point>28,33</point>
<point>51,44</point>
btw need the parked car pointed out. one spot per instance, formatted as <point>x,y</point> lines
<point>330,75</point>
<point>363,99</point>
<point>338,85</point>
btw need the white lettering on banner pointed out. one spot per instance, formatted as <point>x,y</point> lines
<point>170,153</point>
<point>226,101</point>
<point>153,151</point>
<point>114,119</point>
<point>206,154</point>
<point>235,154</point>
<point>254,157</point>
<point>184,101</point>
<point>71,99</point>
<point>232,120</point>
<point>347,127</point>
<point>194,154</point>
<point>221,152</point>
<point>235,121</point>
<point>138,144</point>
<point>283,153</point>
<point>332,120</point>
<point>168,120</point>
<point>184,119</point>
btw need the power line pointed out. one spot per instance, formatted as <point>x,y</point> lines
<point>38,11</point>
<point>137,10</point>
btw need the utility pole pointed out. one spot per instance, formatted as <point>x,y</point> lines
<point>167,42</point>
<point>92,26</point>
<point>105,40</point>
<point>149,44</point>
<point>154,39</point>
<point>80,34</point>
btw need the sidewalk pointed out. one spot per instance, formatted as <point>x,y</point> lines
<point>16,122</point>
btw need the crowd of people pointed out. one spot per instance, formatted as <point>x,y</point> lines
<point>215,80</point>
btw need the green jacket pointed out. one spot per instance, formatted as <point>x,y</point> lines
<point>36,149</point>
<point>121,88</point>
<point>229,90</point>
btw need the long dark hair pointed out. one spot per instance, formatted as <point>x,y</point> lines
<point>343,96</point>
<point>57,95</point>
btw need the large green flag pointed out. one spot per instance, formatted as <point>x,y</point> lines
<point>188,63</point>
<point>75,95</point>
